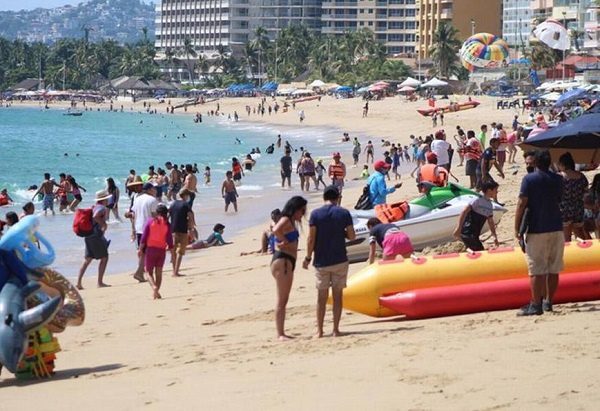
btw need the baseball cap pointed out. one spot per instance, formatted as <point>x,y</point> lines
<point>440,133</point>
<point>380,164</point>
<point>431,157</point>
<point>147,186</point>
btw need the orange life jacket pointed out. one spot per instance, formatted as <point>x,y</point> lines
<point>3,200</point>
<point>388,213</point>
<point>433,174</point>
<point>336,171</point>
<point>237,168</point>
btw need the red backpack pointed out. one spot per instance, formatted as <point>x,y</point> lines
<point>83,222</point>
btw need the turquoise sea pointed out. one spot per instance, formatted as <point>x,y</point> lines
<point>108,144</point>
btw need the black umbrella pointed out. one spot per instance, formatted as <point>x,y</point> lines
<point>580,137</point>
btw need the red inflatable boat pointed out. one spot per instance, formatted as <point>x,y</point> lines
<point>487,296</point>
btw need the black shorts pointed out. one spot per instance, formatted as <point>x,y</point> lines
<point>286,174</point>
<point>237,176</point>
<point>471,167</point>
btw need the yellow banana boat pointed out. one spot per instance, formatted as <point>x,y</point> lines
<point>391,277</point>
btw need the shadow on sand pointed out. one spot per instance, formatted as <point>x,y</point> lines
<point>60,375</point>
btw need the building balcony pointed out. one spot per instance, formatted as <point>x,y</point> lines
<point>330,4</point>
<point>337,30</point>
<point>446,15</point>
<point>339,17</point>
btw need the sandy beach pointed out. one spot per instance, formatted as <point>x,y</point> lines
<point>210,342</point>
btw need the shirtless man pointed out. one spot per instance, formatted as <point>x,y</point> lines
<point>130,179</point>
<point>190,183</point>
<point>174,181</point>
<point>63,192</point>
<point>229,192</point>
<point>47,190</point>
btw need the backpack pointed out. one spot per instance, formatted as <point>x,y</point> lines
<point>364,201</point>
<point>83,222</point>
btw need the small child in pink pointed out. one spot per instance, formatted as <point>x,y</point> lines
<point>156,239</point>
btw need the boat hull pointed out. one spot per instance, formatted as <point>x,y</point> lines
<point>427,112</point>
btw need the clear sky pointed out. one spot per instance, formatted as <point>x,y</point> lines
<point>32,4</point>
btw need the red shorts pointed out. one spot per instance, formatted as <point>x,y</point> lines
<point>154,258</point>
<point>396,243</point>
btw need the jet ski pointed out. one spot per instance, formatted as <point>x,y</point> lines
<point>429,221</point>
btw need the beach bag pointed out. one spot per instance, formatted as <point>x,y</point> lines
<point>83,222</point>
<point>364,201</point>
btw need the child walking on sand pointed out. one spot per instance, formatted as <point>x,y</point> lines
<point>229,192</point>
<point>156,239</point>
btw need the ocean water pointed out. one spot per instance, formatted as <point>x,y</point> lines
<point>109,144</point>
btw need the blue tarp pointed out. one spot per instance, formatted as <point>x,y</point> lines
<point>570,96</point>
<point>270,86</point>
<point>343,89</point>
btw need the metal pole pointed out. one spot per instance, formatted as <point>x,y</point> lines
<point>564,51</point>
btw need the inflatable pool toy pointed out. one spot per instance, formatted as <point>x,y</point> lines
<point>430,220</point>
<point>391,277</point>
<point>19,239</point>
<point>488,296</point>
<point>18,321</point>
<point>483,50</point>
<point>31,297</point>
<point>72,310</point>
<point>449,108</point>
<point>39,356</point>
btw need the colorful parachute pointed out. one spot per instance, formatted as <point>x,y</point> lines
<point>483,50</point>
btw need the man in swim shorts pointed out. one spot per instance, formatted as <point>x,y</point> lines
<point>47,190</point>
<point>330,227</point>
<point>229,192</point>
<point>182,224</point>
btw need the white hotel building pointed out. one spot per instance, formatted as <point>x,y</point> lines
<point>231,23</point>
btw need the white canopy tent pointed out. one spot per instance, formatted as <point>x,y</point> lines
<point>316,84</point>
<point>303,92</point>
<point>410,82</point>
<point>435,82</point>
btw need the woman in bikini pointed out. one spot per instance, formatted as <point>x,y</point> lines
<point>284,258</point>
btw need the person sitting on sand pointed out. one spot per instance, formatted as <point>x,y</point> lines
<point>156,239</point>
<point>214,239</point>
<point>392,241</point>
<point>267,239</point>
<point>475,215</point>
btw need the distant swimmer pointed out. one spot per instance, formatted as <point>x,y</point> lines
<point>183,135</point>
<point>270,149</point>
<point>238,141</point>
<point>66,154</point>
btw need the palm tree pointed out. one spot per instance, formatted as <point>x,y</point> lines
<point>170,54</point>
<point>541,56</point>
<point>444,51</point>
<point>260,44</point>
<point>189,51</point>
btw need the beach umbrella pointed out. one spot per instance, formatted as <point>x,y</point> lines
<point>571,95</point>
<point>435,82</point>
<point>362,90</point>
<point>410,82</point>
<point>580,137</point>
<point>316,83</point>
<point>406,89</point>
<point>553,34</point>
<point>343,89</point>
<point>483,50</point>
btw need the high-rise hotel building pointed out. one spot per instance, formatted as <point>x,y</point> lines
<point>394,22</point>
<point>231,23</point>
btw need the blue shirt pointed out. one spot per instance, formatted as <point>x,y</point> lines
<point>330,243</point>
<point>543,191</point>
<point>378,189</point>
